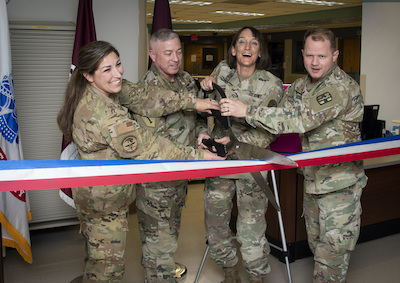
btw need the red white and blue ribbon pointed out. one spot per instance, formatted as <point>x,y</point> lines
<point>52,174</point>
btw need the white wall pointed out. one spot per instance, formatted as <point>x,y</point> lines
<point>119,24</point>
<point>380,58</point>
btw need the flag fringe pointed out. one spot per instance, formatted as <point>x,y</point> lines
<point>18,242</point>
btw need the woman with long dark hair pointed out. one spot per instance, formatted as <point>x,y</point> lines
<point>93,118</point>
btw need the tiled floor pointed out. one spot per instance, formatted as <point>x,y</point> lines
<point>58,254</point>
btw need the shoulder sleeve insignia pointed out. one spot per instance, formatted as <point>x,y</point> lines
<point>324,98</point>
<point>129,144</point>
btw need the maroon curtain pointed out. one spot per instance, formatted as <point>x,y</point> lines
<point>85,32</point>
<point>161,17</point>
<point>85,29</point>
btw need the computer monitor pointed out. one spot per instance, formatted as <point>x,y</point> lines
<point>371,128</point>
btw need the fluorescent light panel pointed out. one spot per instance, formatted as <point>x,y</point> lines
<point>238,13</point>
<point>184,2</point>
<point>312,2</point>
<point>192,21</point>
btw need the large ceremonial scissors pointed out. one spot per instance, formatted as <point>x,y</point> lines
<point>245,151</point>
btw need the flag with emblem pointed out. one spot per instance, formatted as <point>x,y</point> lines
<point>85,33</point>
<point>14,205</point>
<point>161,18</point>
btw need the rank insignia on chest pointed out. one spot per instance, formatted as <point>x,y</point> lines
<point>149,122</point>
<point>324,98</point>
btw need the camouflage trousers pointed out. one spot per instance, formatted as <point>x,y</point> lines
<point>159,214</point>
<point>103,213</point>
<point>251,224</point>
<point>333,228</point>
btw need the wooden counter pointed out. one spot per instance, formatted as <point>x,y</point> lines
<point>380,202</point>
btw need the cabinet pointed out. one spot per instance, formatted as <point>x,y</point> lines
<point>380,217</point>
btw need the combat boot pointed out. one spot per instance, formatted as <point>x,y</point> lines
<point>231,275</point>
<point>180,272</point>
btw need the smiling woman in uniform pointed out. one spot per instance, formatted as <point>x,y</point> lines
<point>243,77</point>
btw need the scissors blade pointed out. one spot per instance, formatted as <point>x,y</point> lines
<point>246,151</point>
<point>265,187</point>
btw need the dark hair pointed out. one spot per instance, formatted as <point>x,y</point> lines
<point>263,62</point>
<point>89,59</point>
<point>321,34</point>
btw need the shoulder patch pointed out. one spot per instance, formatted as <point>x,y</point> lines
<point>326,98</point>
<point>129,144</point>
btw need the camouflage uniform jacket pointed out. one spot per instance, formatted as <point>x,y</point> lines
<point>103,129</point>
<point>261,89</point>
<point>325,114</point>
<point>178,126</point>
<point>154,101</point>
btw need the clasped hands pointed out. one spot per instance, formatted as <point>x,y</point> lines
<point>227,106</point>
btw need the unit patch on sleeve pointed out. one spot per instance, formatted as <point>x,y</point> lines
<point>129,144</point>
<point>324,98</point>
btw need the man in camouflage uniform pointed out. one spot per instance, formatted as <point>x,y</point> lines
<point>326,108</point>
<point>160,204</point>
<point>261,88</point>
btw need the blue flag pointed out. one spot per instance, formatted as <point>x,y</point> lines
<point>14,205</point>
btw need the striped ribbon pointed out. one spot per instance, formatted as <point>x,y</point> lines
<point>54,174</point>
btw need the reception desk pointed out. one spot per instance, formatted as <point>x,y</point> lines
<point>380,203</point>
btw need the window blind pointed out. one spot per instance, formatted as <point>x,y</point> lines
<point>41,59</point>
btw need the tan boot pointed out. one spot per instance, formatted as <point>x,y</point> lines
<point>255,280</point>
<point>231,275</point>
<point>181,272</point>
